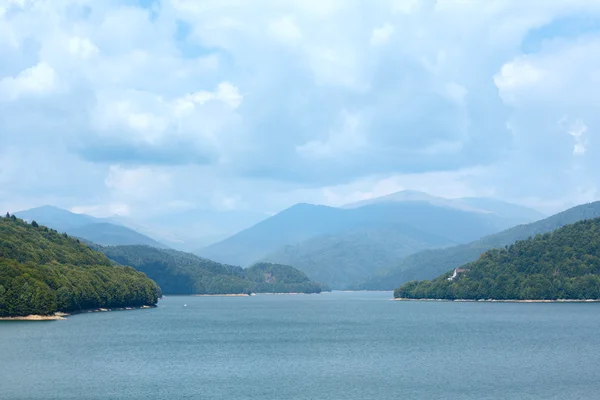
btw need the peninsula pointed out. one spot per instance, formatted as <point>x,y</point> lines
<point>44,273</point>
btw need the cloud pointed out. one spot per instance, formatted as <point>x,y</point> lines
<point>144,128</point>
<point>38,80</point>
<point>578,130</point>
<point>268,103</point>
<point>381,35</point>
<point>285,30</point>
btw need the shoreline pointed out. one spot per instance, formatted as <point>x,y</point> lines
<point>501,301</point>
<point>36,317</point>
<point>57,316</point>
<point>238,294</point>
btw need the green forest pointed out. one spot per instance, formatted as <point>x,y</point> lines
<point>43,272</point>
<point>564,264</point>
<point>181,273</point>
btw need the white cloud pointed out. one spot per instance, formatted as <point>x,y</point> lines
<point>381,35</point>
<point>578,130</point>
<point>40,79</point>
<point>285,30</point>
<point>137,183</point>
<point>82,47</point>
<point>517,76</point>
<point>226,93</point>
<point>342,141</point>
<point>94,84</point>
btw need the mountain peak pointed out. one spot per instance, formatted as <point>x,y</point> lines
<point>414,195</point>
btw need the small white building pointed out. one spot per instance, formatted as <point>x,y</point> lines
<point>456,272</point>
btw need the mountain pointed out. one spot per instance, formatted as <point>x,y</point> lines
<point>564,264</point>
<point>349,256</point>
<point>482,205</point>
<point>57,218</point>
<point>293,225</point>
<point>112,235</point>
<point>412,196</point>
<point>431,263</point>
<point>183,273</point>
<point>96,230</point>
<point>188,230</point>
<point>43,272</point>
<point>306,221</point>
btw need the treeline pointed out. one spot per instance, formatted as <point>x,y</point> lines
<point>43,271</point>
<point>564,264</point>
<point>183,273</point>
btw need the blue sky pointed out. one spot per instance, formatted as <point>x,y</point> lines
<point>141,108</point>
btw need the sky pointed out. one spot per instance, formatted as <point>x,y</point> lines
<point>143,108</point>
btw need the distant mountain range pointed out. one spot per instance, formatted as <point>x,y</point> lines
<point>431,263</point>
<point>184,230</point>
<point>188,230</point>
<point>96,230</point>
<point>340,246</point>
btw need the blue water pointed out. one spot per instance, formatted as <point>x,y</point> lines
<point>337,345</point>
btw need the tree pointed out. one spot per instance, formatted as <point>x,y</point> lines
<point>34,224</point>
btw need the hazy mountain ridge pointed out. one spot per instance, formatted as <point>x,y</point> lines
<point>346,257</point>
<point>431,263</point>
<point>97,230</point>
<point>318,239</point>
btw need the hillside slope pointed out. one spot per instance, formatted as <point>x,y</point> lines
<point>183,273</point>
<point>564,264</point>
<point>306,221</point>
<point>42,272</point>
<point>431,263</point>
<point>350,256</point>
<point>95,230</point>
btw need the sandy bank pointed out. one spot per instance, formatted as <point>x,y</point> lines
<point>54,317</point>
<point>61,315</point>
<point>504,301</point>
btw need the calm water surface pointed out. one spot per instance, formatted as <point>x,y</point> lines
<point>337,345</point>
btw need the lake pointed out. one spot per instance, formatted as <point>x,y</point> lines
<point>340,345</point>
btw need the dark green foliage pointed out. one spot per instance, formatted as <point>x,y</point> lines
<point>430,263</point>
<point>564,264</point>
<point>182,273</point>
<point>42,272</point>
<point>277,278</point>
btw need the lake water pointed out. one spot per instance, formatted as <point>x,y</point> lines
<point>339,345</point>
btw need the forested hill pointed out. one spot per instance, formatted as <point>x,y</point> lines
<point>564,264</point>
<point>430,263</point>
<point>42,272</point>
<point>182,273</point>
